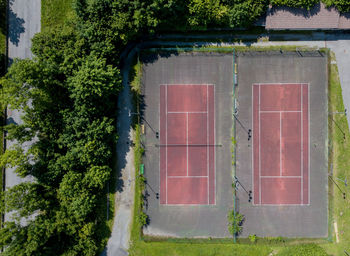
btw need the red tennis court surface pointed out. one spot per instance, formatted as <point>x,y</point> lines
<point>281,144</point>
<point>187,141</point>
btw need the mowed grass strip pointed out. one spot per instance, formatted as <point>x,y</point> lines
<point>339,156</point>
<point>142,248</point>
<point>55,12</point>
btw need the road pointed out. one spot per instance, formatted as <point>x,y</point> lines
<point>24,20</point>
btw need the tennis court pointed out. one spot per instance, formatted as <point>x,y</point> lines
<point>187,141</point>
<point>187,117</point>
<point>280,144</point>
<point>282,97</point>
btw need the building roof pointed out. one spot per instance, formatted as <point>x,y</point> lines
<point>318,17</point>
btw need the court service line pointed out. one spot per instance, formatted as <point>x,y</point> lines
<point>259,150</point>
<point>214,144</point>
<point>186,176</point>
<point>280,111</point>
<point>253,131</point>
<point>273,83</point>
<point>166,142</point>
<point>301,144</point>
<point>189,112</point>
<point>280,144</point>
<point>187,141</point>
<point>308,123</point>
<point>160,98</point>
<point>290,177</point>
<point>208,143</point>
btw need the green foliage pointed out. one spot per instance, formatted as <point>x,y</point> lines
<point>242,13</point>
<point>56,12</point>
<point>143,219</point>
<point>296,3</point>
<point>235,220</point>
<point>303,250</point>
<point>341,5</point>
<point>207,12</point>
<point>68,97</point>
<point>253,238</point>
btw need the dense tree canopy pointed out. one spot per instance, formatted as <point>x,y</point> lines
<point>68,95</point>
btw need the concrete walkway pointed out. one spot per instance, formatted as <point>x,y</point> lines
<point>24,19</point>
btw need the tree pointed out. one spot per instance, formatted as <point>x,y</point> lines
<point>307,4</point>
<point>207,12</point>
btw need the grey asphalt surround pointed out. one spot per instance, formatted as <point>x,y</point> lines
<point>189,68</point>
<point>287,221</point>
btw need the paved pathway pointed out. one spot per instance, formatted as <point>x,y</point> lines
<point>24,21</point>
<point>118,243</point>
<point>341,48</point>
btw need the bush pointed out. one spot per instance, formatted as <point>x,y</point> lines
<point>143,219</point>
<point>341,5</point>
<point>235,222</point>
<point>307,4</point>
<point>253,238</point>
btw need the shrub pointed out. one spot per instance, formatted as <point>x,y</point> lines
<point>235,222</point>
<point>253,238</point>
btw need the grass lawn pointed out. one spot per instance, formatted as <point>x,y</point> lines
<point>339,156</point>
<point>55,12</point>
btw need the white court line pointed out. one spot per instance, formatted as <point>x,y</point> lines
<point>302,145</point>
<point>278,83</point>
<point>259,152</point>
<point>208,143</point>
<point>174,177</point>
<point>253,143</point>
<point>187,141</point>
<point>189,112</point>
<point>159,132</point>
<point>214,144</point>
<point>280,144</point>
<point>166,142</point>
<point>308,105</point>
<point>290,177</point>
<point>279,111</point>
<point>187,84</point>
